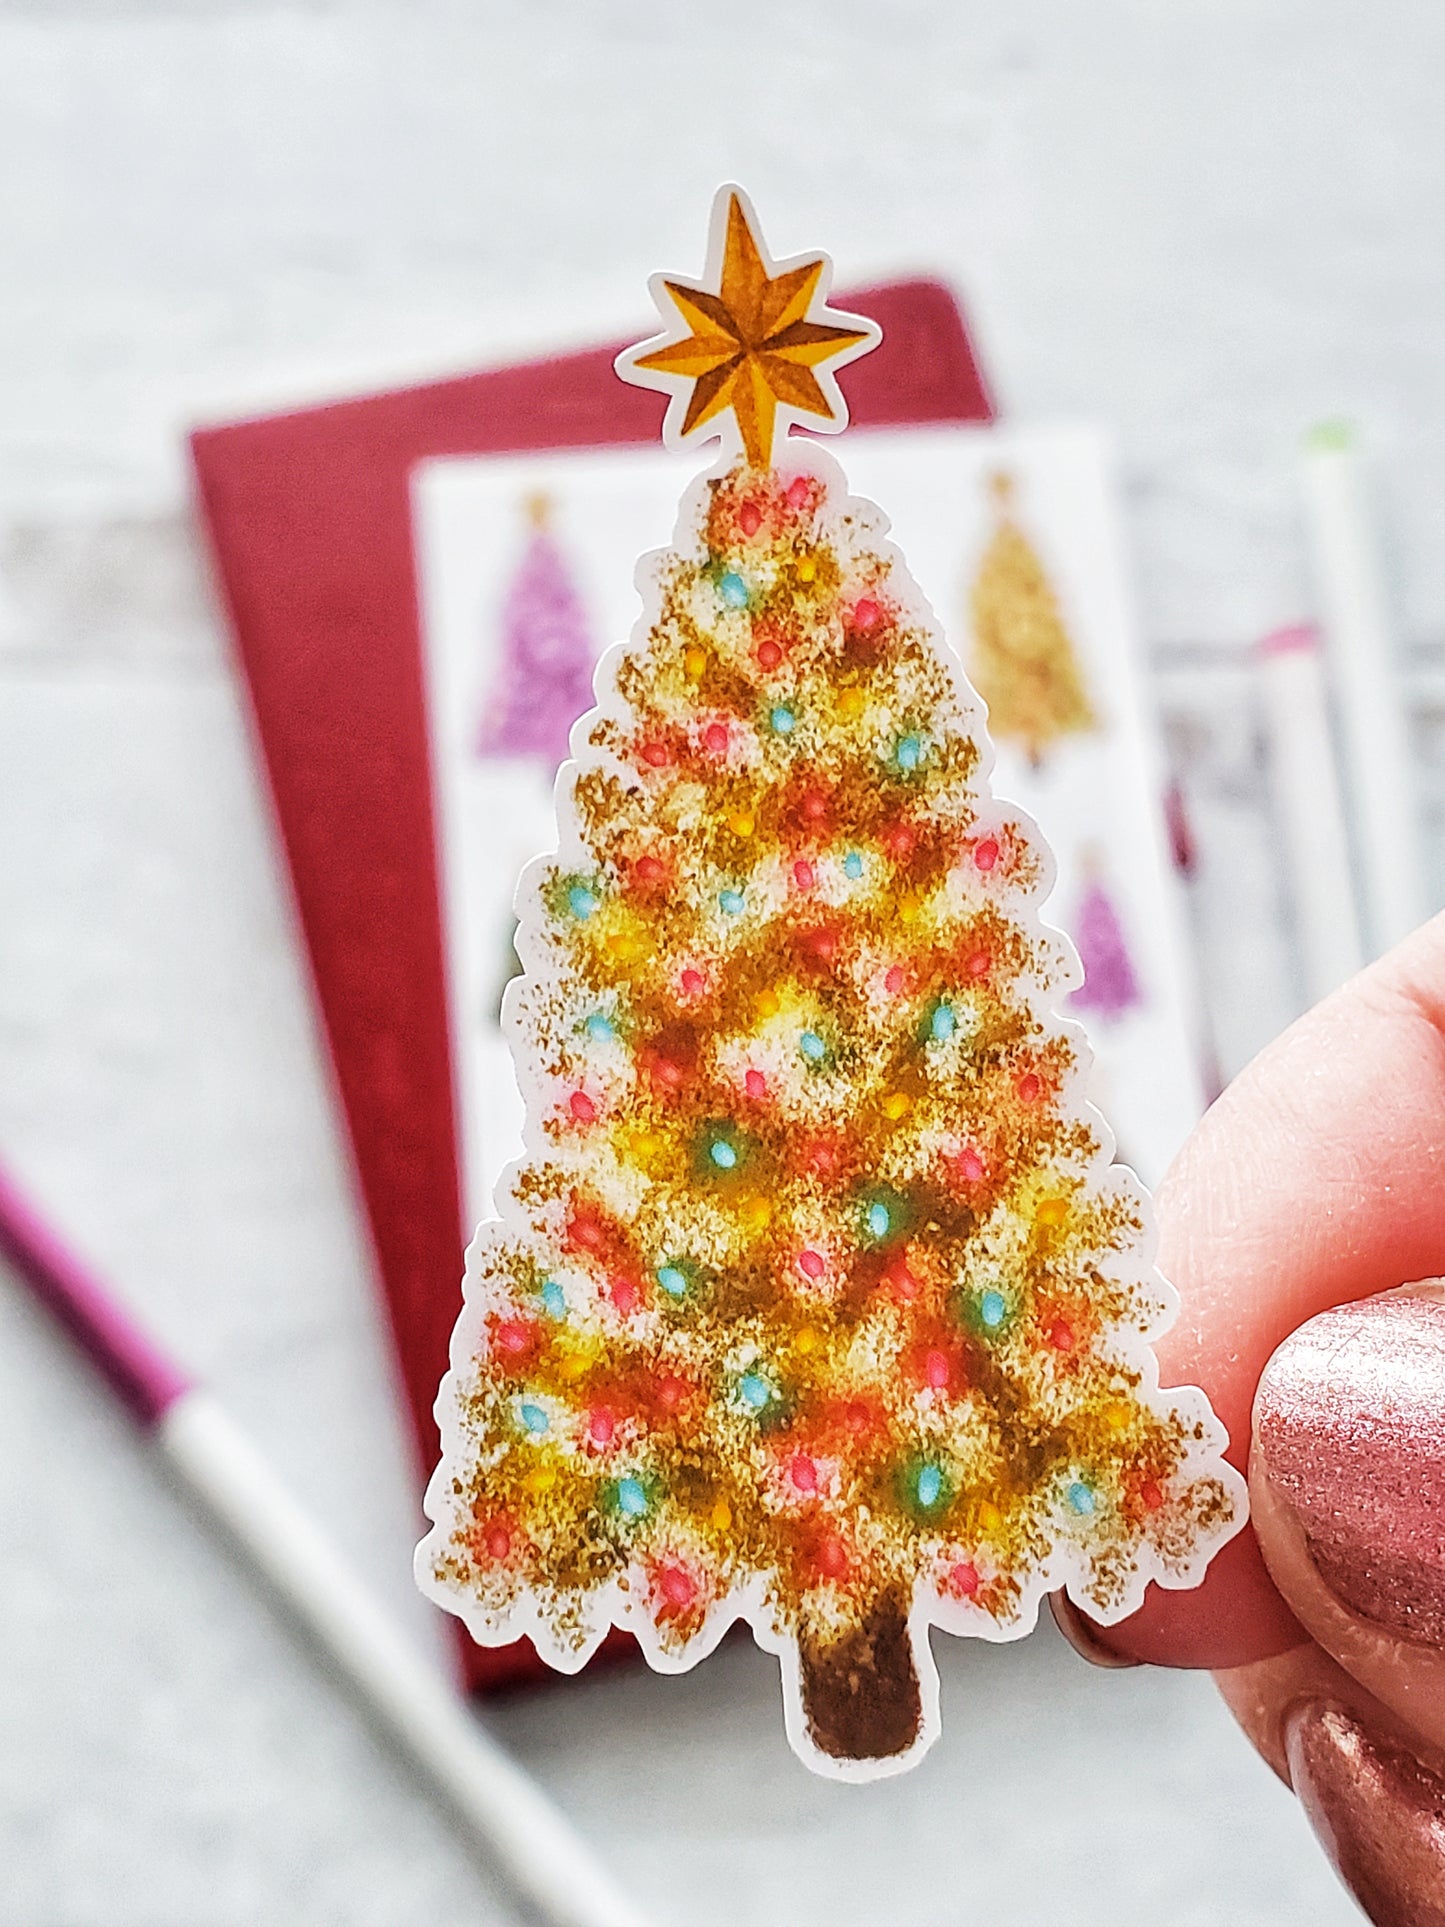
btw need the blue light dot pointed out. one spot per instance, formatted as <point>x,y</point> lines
<point>723,1154</point>
<point>580,901</point>
<point>534,1418</point>
<point>991,1309</point>
<point>909,753</point>
<point>733,590</point>
<point>673,1281</point>
<point>754,1391</point>
<point>599,1028</point>
<point>554,1298</point>
<point>812,1047</point>
<point>929,1485</point>
<point>783,721</point>
<point>1081,1498</point>
<point>878,1220</point>
<point>853,865</point>
<point>631,1498</point>
<point>943,1023</point>
<point>731,901</point>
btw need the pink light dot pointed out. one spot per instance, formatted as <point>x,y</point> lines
<point>755,1084</point>
<point>803,1472</point>
<point>582,1107</point>
<point>749,520</point>
<point>964,1578</point>
<point>970,1164</point>
<point>601,1426</point>
<point>798,491</point>
<point>625,1295</point>
<point>692,981</point>
<point>676,1587</point>
<point>866,614</point>
<point>513,1336</point>
<point>985,854</point>
<point>812,1264</point>
<point>803,874</point>
<point>935,1370</point>
<point>715,738</point>
<point>895,979</point>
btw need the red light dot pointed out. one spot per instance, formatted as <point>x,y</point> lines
<point>831,1557</point>
<point>715,738</point>
<point>755,1084</point>
<point>692,982</point>
<point>896,978</point>
<point>822,945</point>
<point>1029,1087</point>
<point>625,1295</point>
<point>812,1264</point>
<point>582,1107</point>
<point>935,1370</point>
<point>798,491</point>
<point>1150,1497</point>
<point>857,1417</point>
<point>970,1164</point>
<point>649,869</point>
<point>676,1587</point>
<point>1061,1335</point>
<point>585,1231</point>
<point>904,1285</point>
<point>822,1158</point>
<point>803,874</point>
<point>814,806</point>
<point>601,1426</point>
<point>866,614</point>
<point>667,1074</point>
<point>513,1337</point>
<point>749,520</point>
<point>980,963</point>
<point>964,1578</point>
<point>803,1472</point>
<point>656,754</point>
<point>899,841</point>
<point>498,1542</point>
<point>985,854</point>
<point>671,1391</point>
<point>769,653</point>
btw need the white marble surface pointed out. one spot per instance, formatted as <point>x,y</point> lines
<point>1207,224</point>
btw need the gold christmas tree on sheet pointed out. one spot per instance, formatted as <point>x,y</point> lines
<point>1023,662</point>
<point>815,1299</point>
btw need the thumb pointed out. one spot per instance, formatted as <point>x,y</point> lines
<point>1347,1492</point>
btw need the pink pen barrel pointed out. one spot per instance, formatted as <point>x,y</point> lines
<point>139,1373</point>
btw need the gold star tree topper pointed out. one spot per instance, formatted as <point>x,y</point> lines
<point>762,346</point>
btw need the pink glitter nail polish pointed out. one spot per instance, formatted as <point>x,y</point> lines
<point>1350,1416</point>
<point>1378,1813</point>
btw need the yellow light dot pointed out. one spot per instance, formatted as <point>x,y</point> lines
<point>741,823</point>
<point>989,1516</point>
<point>806,1341</point>
<point>896,1105</point>
<point>908,908</point>
<point>757,1214</point>
<point>721,1516</point>
<point>626,946</point>
<point>807,568</point>
<point>1053,1211</point>
<point>542,1480</point>
<point>694,663</point>
<point>1118,1414</point>
<point>768,1003</point>
<point>850,703</point>
<point>644,1144</point>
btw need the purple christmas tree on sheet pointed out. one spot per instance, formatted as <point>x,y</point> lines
<point>1111,984</point>
<point>544,672</point>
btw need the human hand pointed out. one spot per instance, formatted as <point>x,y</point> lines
<point>1310,1194</point>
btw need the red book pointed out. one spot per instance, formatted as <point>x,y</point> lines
<point>309,518</point>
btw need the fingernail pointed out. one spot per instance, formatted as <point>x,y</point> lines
<point>1082,1635</point>
<point>1378,1813</point>
<point>1350,1417</point>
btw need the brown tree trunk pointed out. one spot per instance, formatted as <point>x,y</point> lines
<point>860,1690</point>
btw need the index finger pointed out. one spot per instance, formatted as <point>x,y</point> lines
<point>1318,1177</point>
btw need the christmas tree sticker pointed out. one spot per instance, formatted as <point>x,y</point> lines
<point>1111,984</point>
<point>1023,662</point>
<point>544,672</point>
<point>815,1300</point>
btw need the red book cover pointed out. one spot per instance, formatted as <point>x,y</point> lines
<point>309,520</point>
